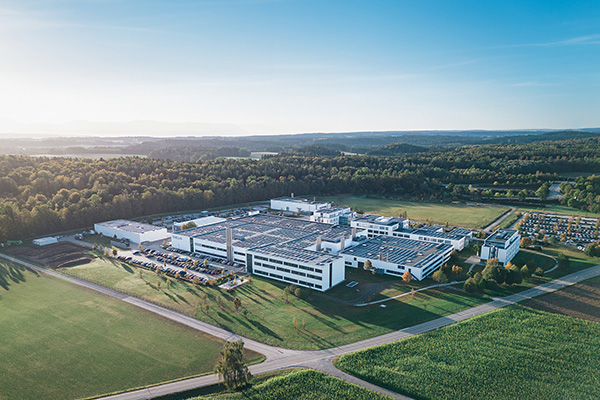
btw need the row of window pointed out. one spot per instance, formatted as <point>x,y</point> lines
<point>318,278</point>
<point>286,278</point>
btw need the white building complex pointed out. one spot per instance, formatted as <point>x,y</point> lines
<point>333,215</point>
<point>502,244</point>
<point>394,256</point>
<point>375,225</point>
<point>136,232</point>
<point>287,249</point>
<point>294,204</point>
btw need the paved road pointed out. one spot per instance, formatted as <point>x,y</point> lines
<point>278,358</point>
<point>499,220</point>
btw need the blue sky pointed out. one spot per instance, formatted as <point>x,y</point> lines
<point>269,66</point>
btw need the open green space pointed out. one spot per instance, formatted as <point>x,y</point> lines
<point>60,341</point>
<point>440,213</point>
<point>533,260</point>
<point>302,384</point>
<point>558,209</point>
<point>268,316</point>
<point>511,353</point>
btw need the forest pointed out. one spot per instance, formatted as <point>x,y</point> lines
<point>44,195</point>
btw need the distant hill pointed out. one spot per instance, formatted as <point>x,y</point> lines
<point>397,149</point>
<point>555,135</point>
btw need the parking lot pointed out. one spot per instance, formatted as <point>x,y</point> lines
<point>171,261</point>
<point>576,231</point>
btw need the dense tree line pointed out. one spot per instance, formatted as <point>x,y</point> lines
<point>43,195</point>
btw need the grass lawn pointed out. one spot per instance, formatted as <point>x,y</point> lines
<point>454,214</point>
<point>511,353</point>
<point>269,318</point>
<point>60,341</point>
<point>301,384</point>
<point>558,209</point>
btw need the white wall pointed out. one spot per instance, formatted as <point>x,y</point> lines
<point>181,242</point>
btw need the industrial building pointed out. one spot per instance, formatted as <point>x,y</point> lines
<point>136,232</point>
<point>198,222</point>
<point>287,249</point>
<point>295,204</point>
<point>374,225</point>
<point>458,238</point>
<point>334,215</point>
<point>395,256</point>
<point>502,244</point>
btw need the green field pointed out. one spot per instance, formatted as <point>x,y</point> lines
<point>269,317</point>
<point>60,341</point>
<point>454,214</point>
<point>511,353</point>
<point>558,209</point>
<point>302,384</point>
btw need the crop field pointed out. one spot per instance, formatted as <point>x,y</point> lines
<point>581,300</point>
<point>454,214</point>
<point>267,315</point>
<point>511,353</point>
<point>303,384</point>
<point>53,256</point>
<point>60,341</point>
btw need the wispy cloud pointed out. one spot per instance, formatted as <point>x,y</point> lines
<point>576,41</point>
<point>533,84</point>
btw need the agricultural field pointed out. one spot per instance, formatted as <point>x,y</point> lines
<point>440,213</point>
<point>581,300</point>
<point>53,256</point>
<point>60,341</point>
<point>302,384</point>
<point>267,314</point>
<point>511,353</point>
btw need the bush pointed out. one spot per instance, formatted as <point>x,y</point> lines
<point>539,271</point>
<point>471,286</point>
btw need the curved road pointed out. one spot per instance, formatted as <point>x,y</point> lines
<point>278,358</point>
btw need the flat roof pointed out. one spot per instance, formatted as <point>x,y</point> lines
<point>257,231</point>
<point>130,226</point>
<point>401,251</point>
<point>300,200</point>
<point>501,236</point>
<point>331,210</point>
<point>298,255</point>
<point>380,220</point>
<point>439,231</point>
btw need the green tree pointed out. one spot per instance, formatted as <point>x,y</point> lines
<point>231,368</point>
<point>237,303</point>
<point>525,271</point>
<point>543,191</point>
<point>493,272</point>
<point>439,276</point>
